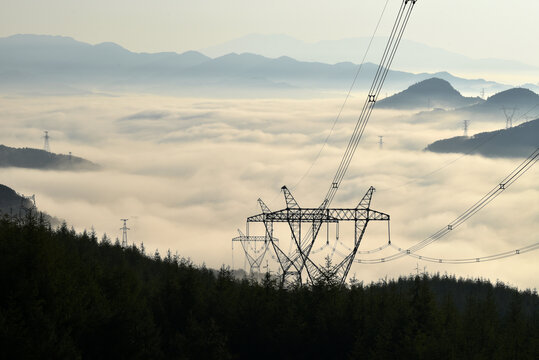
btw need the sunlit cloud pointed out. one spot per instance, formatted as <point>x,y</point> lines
<point>187,172</point>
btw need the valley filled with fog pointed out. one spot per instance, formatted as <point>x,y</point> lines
<point>188,171</point>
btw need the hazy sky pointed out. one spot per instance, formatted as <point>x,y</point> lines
<point>478,28</point>
<point>188,171</point>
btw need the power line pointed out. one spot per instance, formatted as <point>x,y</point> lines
<point>472,210</point>
<point>469,152</point>
<point>383,68</point>
<point>345,99</point>
<point>300,257</point>
<point>498,256</point>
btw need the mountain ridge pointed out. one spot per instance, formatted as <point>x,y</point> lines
<point>29,63</point>
<point>334,51</point>
<point>40,159</point>
<point>518,141</point>
<point>15,205</point>
<point>429,93</point>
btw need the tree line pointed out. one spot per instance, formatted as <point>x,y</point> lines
<point>71,295</point>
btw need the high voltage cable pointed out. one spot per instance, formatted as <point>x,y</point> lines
<point>469,152</point>
<point>346,97</point>
<point>527,112</point>
<point>498,256</point>
<point>383,68</point>
<point>472,210</point>
<point>371,251</point>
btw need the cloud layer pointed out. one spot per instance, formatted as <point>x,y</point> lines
<point>188,171</point>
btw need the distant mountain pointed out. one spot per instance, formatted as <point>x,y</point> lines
<point>38,64</point>
<point>40,159</point>
<point>519,104</point>
<point>14,205</point>
<point>430,93</point>
<point>519,98</point>
<point>412,56</point>
<point>519,141</point>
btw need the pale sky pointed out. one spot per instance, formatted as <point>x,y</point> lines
<point>478,28</point>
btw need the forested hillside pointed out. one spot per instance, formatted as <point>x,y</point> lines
<point>41,159</point>
<point>518,141</point>
<point>67,295</point>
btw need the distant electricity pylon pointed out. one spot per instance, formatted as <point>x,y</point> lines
<point>46,146</point>
<point>509,116</point>
<point>482,93</point>
<point>124,233</point>
<point>381,142</point>
<point>466,125</point>
<point>253,254</point>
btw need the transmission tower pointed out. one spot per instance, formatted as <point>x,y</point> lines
<point>465,126</point>
<point>255,249</point>
<point>299,264</point>
<point>46,146</point>
<point>300,261</point>
<point>381,142</point>
<point>124,233</point>
<point>482,93</point>
<point>509,116</point>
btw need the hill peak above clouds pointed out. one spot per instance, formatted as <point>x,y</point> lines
<point>433,92</point>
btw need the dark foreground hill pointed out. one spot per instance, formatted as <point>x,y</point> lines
<point>40,159</point>
<point>518,141</point>
<point>10,200</point>
<point>70,296</point>
<point>18,206</point>
<point>430,93</point>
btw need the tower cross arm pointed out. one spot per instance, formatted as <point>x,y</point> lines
<point>377,215</point>
<point>256,218</point>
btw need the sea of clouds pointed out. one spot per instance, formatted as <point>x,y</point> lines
<point>188,171</point>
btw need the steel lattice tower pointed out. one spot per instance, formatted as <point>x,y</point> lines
<point>298,265</point>
<point>124,233</point>
<point>254,254</point>
<point>46,146</point>
<point>509,117</point>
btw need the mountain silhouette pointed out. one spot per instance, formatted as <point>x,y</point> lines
<point>430,93</point>
<point>13,204</point>
<point>10,201</point>
<point>40,159</point>
<point>412,56</point>
<point>518,141</point>
<point>521,98</point>
<point>35,64</point>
